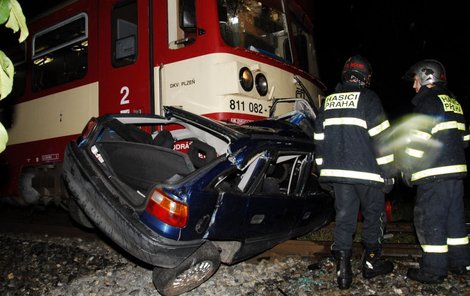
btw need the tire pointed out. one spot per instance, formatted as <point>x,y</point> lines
<point>78,215</point>
<point>191,273</point>
<point>74,210</point>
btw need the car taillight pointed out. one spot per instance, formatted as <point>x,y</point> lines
<point>167,210</point>
<point>89,127</point>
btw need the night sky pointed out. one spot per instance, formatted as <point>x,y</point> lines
<point>393,35</point>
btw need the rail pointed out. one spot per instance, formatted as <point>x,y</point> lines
<point>58,223</point>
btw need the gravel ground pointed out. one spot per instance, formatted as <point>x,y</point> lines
<point>44,265</point>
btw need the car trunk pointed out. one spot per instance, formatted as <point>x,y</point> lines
<point>141,166</point>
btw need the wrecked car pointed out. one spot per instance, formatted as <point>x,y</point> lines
<point>185,193</point>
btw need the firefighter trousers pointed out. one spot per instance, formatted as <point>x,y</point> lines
<point>349,198</point>
<point>439,220</point>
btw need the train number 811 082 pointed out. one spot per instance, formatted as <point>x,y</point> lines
<point>238,105</point>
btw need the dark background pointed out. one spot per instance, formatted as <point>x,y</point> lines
<point>394,35</point>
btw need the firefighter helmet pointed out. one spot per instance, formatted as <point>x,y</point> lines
<point>357,69</point>
<point>427,72</point>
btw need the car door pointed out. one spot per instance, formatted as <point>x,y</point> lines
<point>277,203</point>
<point>230,219</point>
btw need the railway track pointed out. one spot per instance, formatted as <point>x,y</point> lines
<point>314,247</point>
<point>51,220</point>
<point>56,222</point>
<point>322,248</point>
<point>303,248</point>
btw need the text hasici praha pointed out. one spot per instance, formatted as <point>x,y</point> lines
<point>350,100</point>
<point>342,100</point>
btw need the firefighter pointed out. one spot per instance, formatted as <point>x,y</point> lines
<point>347,129</point>
<point>436,152</point>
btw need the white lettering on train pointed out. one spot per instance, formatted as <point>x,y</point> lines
<point>183,83</point>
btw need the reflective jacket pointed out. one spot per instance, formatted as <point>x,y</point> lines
<point>436,150</point>
<point>347,130</point>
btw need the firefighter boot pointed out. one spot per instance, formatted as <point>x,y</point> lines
<point>459,270</point>
<point>372,264</point>
<point>343,268</point>
<point>419,275</point>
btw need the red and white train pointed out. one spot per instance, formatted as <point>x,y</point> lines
<point>225,59</point>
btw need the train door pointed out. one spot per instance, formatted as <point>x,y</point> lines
<point>125,74</point>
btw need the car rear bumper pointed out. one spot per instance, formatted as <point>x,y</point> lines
<point>100,201</point>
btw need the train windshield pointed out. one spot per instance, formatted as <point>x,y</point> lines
<point>263,26</point>
<point>256,25</point>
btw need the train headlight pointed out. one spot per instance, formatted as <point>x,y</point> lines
<point>261,84</point>
<point>246,79</point>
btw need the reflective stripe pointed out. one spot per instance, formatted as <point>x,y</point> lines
<point>414,152</point>
<point>385,159</point>
<point>380,128</point>
<point>466,137</point>
<point>457,241</point>
<point>448,125</point>
<point>319,161</point>
<point>345,121</point>
<point>435,249</point>
<point>420,134</point>
<point>319,136</point>
<point>459,168</point>
<point>351,174</point>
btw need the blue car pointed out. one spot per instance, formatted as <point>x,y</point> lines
<point>185,193</point>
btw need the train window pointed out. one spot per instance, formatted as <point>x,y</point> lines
<point>260,26</point>
<point>60,53</point>
<point>124,33</point>
<point>181,23</point>
<point>305,48</point>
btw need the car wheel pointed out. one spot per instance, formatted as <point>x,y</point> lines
<point>191,273</point>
